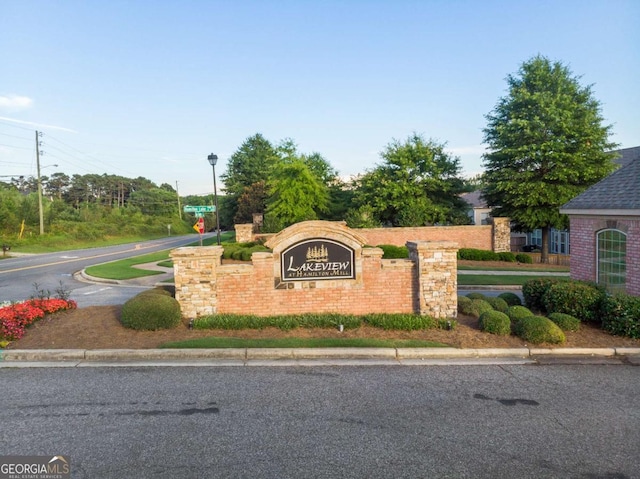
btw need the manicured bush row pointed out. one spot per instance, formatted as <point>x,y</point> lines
<point>533,292</point>
<point>472,254</point>
<point>405,322</point>
<point>242,251</point>
<point>498,304</point>
<point>516,313</point>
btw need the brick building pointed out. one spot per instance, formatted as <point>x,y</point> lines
<point>605,229</point>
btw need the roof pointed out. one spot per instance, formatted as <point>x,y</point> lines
<point>618,193</point>
<point>475,199</point>
<point>627,155</point>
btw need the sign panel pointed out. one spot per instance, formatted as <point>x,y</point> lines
<point>317,259</point>
<point>198,209</point>
<point>199,226</point>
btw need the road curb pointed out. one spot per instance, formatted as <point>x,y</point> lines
<point>248,354</point>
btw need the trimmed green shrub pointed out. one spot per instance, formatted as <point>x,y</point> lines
<point>498,304</point>
<point>476,296</point>
<point>463,302</point>
<point>495,322</point>
<point>472,254</point>
<point>516,313</point>
<point>394,252</point>
<point>566,322</point>
<point>512,299</point>
<point>621,315</point>
<point>580,299</point>
<point>150,312</point>
<point>404,322</point>
<point>507,256</point>
<point>534,290</point>
<point>160,291</point>
<point>524,258</point>
<point>477,307</point>
<point>538,329</point>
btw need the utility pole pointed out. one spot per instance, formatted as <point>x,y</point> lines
<point>40,212</point>
<point>179,207</point>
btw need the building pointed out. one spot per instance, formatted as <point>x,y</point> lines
<point>605,228</point>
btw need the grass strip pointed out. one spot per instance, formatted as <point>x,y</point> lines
<point>215,342</point>
<point>122,269</point>
<point>540,268</point>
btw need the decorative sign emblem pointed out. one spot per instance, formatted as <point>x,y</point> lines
<point>317,259</point>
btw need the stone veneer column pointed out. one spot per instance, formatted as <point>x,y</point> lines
<point>244,233</point>
<point>501,233</point>
<point>195,270</point>
<point>437,280</point>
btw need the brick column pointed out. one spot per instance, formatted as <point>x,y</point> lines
<point>195,274</point>
<point>436,277</point>
<point>244,233</point>
<point>501,234</point>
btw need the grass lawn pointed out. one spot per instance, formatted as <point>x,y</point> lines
<point>224,342</point>
<point>122,269</point>
<point>541,267</point>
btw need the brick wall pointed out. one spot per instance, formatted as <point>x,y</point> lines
<point>495,237</point>
<point>583,247</point>
<point>423,284</point>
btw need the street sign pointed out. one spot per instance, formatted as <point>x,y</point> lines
<point>199,226</point>
<point>198,209</point>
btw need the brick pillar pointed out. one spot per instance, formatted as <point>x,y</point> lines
<point>501,235</point>
<point>436,277</point>
<point>244,233</point>
<point>195,274</point>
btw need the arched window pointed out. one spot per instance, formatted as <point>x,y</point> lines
<point>612,260</point>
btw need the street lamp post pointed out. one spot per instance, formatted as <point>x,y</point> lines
<point>213,159</point>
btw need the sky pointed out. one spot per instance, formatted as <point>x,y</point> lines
<point>151,87</point>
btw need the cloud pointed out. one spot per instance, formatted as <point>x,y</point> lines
<point>38,125</point>
<point>15,102</point>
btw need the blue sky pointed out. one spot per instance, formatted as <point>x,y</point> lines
<point>150,88</point>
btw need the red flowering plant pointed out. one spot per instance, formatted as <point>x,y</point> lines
<point>16,317</point>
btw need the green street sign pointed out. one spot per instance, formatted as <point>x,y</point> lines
<point>198,209</point>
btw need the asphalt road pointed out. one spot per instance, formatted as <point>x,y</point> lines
<point>20,274</point>
<point>505,421</point>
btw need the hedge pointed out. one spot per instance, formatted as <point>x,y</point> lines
<point>538,329</point>
<point>495,322</point>
<point>577,298</point>
<point>621,315</point>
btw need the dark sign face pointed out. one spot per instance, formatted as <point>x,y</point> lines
<point>316,259</point>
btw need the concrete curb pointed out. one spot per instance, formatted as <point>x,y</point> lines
<point>249,354</point>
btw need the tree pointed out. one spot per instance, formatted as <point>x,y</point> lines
<point>547,144</point>
<point>418,184</point>
<point>251,163</point>
<point>295,194</point>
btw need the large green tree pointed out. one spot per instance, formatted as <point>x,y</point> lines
<point>547,143</point>
<point>418,184</point>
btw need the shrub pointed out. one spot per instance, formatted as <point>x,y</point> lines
<point>495,322</point>
<point>534,290</point>
<point>621,315</point>
<point>524,258</point>
<point>463,302</point>
<point>404,322</point>
<point>498,304</point>
<point>517,313</point>
<point>476,296</point>
<point>507,256</point>
<point>580,299</point>
<point>477,307</point>
<point>512,299</point>
<point>159,291</point>
<point>566,322</point>
<point>538,329</point>
<point>472,254</point>
<point>150,312</point>
<point>394,252</point>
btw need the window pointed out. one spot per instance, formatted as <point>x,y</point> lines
<point>612,260</point>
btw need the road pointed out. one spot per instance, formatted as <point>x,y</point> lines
<point>501,421</point>
<point>19,274</point>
